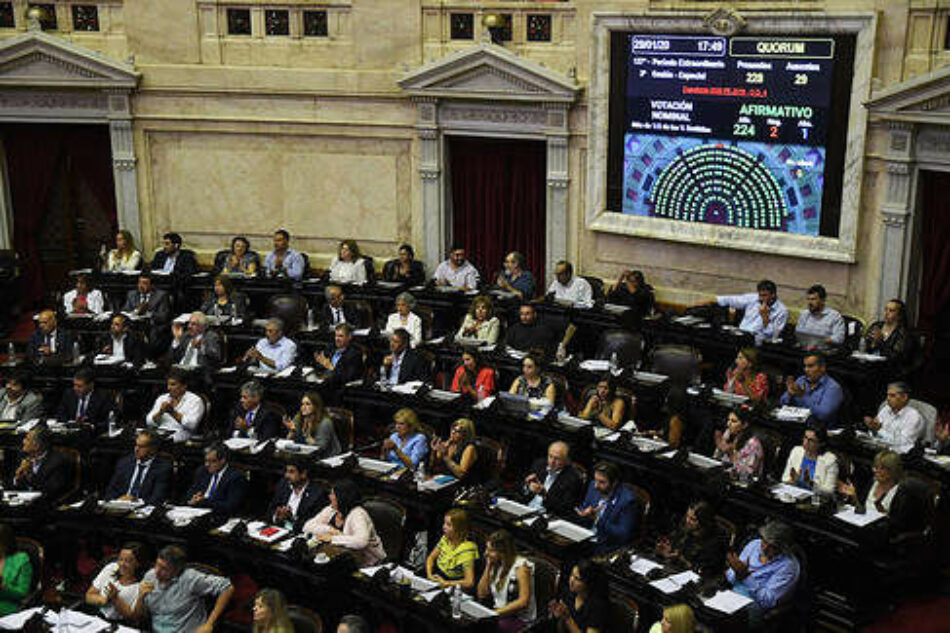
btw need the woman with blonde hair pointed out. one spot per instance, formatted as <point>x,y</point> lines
<point>452,561</point>
<point>124,257</point>
<point>457,455</point>
<point>407,445</point>
<point>677,618</point>
<point>270,613</point>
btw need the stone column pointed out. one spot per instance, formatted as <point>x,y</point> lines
<point>125,175</point>
<point>430,173</point>
<point>897,211</point>
<point>6,205</point>
<point>557,183</point>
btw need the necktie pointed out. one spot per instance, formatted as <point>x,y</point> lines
<point>338,318</point>
<point>214,485</point>
<point>249,420</point>
<point>136,487</point>
<point>336,358</point>
<point>83,402</point>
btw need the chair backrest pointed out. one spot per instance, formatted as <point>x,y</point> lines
<point>291,309</point>
<point>679,362</point>
<point>627,345</point>
<point>624,614</point>
<point>929,414</point>
<point>74,458</point>
<point>646,501</point>
<point>853,331</point>
<point>428,318</point>
<point>220,258</point>
<point>37,555</point>
<point>729,528</point>
<point>306,264</point>
<point>492,456</point>
<point>582,473</point>
<point>389,519</point>
<point>546,575</point>
<point>597,288</point>
<point>304,620</point>
<point>364,309</point>
<point>771,441</point>
<point>370,269</point>
<point>343,426</point>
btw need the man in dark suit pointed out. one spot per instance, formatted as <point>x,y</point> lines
<point>346,363</point>
<point>336,310</point>
<point>217,485</point>
<point>49,344</point>
<point>122,342</point>
<point>253,417</point>
<point>172,259</point>
<point>141,475</point>
<point>296,499</point>
<point>404,364</point>
<point>554,484</point>
<point>612,508</point>
<point>42,469</point>
<point>200,346</point>
<point>148,301</point>
<point>85,403</point>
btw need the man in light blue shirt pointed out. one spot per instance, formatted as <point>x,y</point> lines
<point>275,352</point>
<point>766,570</point>
<point>820,320</point>
<point>765,316</point>
<point>816,391</point>
<point>284,261</point>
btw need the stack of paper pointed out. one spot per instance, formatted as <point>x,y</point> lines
<point>848,515</point>
<point>643,566</point>
<point>672,584</point>
<point>375,465</point>
<point>791,414</point>
<point>728,601</point>
<point>570,531</point>
<point>512,507</point>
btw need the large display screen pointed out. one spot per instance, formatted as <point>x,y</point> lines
<point>731,130</point>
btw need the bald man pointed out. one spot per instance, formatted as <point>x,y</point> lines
<point>554,484</point>
<point>49,344</point>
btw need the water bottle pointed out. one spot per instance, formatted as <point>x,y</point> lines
<point>420,473</point>
<point>456,603</point>
<point>614,365</point>
<point>76,353</point>
<point>310,319</point>
<point>11,354</point>
<point>113,427</point>
<point>863,345</point>
<point>382,374</point>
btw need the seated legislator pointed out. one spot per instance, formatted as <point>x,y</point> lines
<point>897,423</point>
<point>405,318</point>
<point>738,446</point>
<point>890,336</point>
<point>452,561</point>
<point>819,320</point>
<point>815,390</point>
<point>148,301</point>
<point>217,485</point>
<point>890,495</point>
<point>812,465</point>
<point>554,484</point>
<point>177,412</point>
<point>275,352</point>
<point>173,595</point>
<point>17,402</point>
<point>509,580</point>
<point>241,260</point>
<point>42,469</point>
<point>346,363</point>
<point>530,333</point>
<point>480,322</point>
<point>532,382</point>
<point>200,346</point>
<point>677,618</point>
<point>766,571</point>
<point>122,344</point>
<point>84,299</point>
<point>403,364</point>
<point>253,417</point>
<point>49,344</point>
<point>348,267</point>
<point>457,455</point>
<point>515,279</point>
<point>570,288</point>
<point>407,445</point>
<point>142,474</point>
<point>456,271</point>
<point>473,377</point>
<point>224,302</point>
<point>698,542</point>
<point>605,406</point>
<point>744,377</point>
<point>296,499</point>
<point>584,607</point>
<point>346,523</point>
<point>633,291</point>
<point>124,258</point>
<point>115,589</point>
<point>764,315</point>
<point>84,403</point>
<point>270,612</point>
<point>284,262</point>
<point>337,311</point>
<point>612,508</point>
<point>313,426</point>
<point>16,573</point>
<point>405,269</point>
<point>172,259</point>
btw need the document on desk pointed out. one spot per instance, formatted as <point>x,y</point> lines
<point>650,377</point>
<point>285,373</point>
<point>700,461</point>
<point>438,482</point>
<point>337,460</point>
<point>675,582</point>
<point>261,531</point>
<point>595,365</point>
<point>572,421</point>
<point>12,496</point>
<point>512,507</point>
<point>874,358</point>
<point>443,396</point>
<point>407,388</point>
<point>64,620</point>
<point>121,504</point>
<point>647,444</point>
<point>788,413</point>
<point>239,443</point>
<point>786,490</point>
<point>728,601</point>
<point>473,609</point>
<point>291,446</point>
<point>643,566</point>
<point>185,514</point>
<point>375,465</point>
<point>848,515</point>
<point>570,531</point>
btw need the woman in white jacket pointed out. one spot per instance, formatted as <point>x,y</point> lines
<point>406,319</point>
<point>345,523</point>
<point>811,465</point>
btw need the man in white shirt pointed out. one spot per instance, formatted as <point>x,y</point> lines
<point>456,271</point>
<point>820,320</point>
<point>179,411</point>
<point>275,352</point>
<point>569,287</point>
<point>898,424</point>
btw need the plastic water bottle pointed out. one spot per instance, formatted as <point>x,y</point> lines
<point>863,345</point>
<point>456,603</point>
<point>113,427</point>
<point>11,354</point>
<point>382,375</point>
<point>614,364</point>
<point>77,355</point>
<point>310,319</point>
<point>420,476</point>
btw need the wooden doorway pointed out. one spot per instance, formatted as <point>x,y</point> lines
<point>498,201</point>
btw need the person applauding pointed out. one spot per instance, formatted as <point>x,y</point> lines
<point>457,455</point>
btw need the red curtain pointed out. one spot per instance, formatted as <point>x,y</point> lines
<point>32,161</point>
<point>935,234</point>
<point>91,149</point>
<point>498,202</point>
